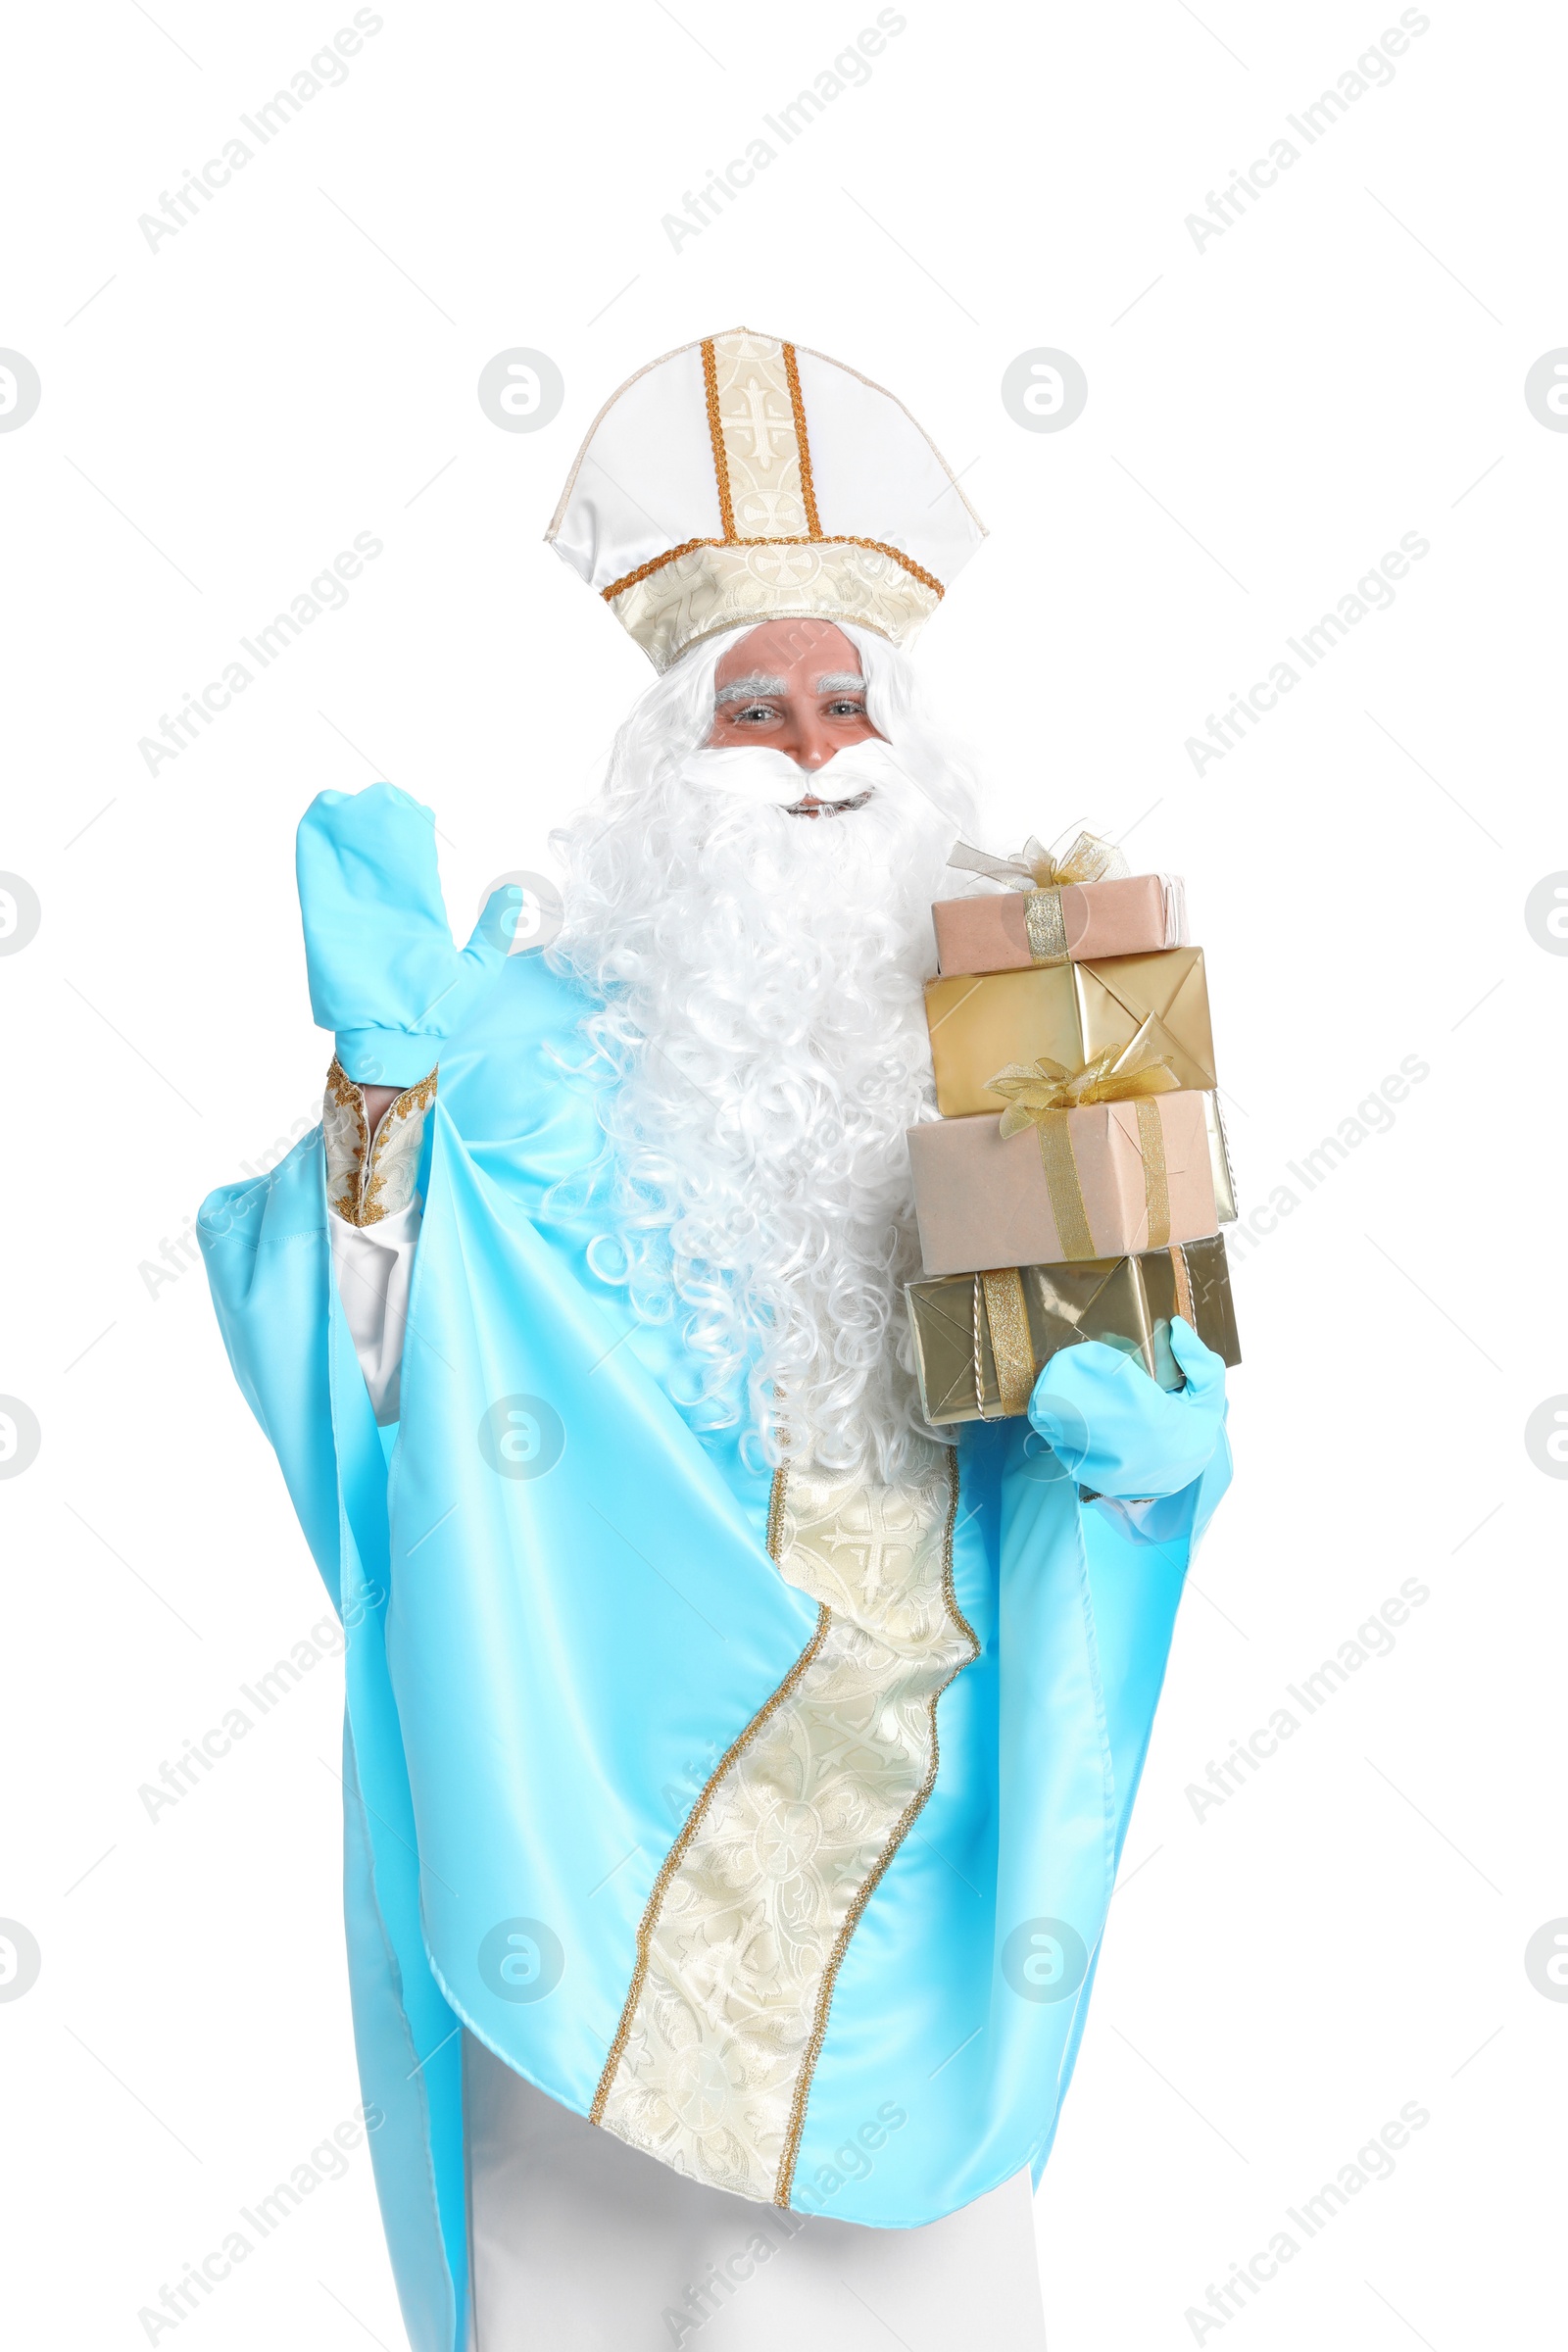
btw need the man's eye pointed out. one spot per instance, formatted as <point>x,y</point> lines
<point>848,710</point>
<point>758,711</point>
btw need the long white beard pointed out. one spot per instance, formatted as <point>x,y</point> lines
<point>762,1049</point>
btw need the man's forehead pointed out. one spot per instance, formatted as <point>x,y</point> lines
<point>793,650</point>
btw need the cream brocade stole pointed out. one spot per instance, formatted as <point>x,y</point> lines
<point>753,1911</point>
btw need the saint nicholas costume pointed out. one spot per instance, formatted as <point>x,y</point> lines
<point>727,1850</point>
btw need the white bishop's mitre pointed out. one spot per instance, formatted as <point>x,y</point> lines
<point>740,480</point>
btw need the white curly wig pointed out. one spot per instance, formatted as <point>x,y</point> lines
<point>758,1051</point>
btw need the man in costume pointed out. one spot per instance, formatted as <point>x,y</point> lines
<point>735,1773</point>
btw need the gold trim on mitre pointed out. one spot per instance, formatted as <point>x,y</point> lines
<point>712,587</point>
<point>773,560</point>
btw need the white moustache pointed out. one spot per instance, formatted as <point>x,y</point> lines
<point>754,772</point>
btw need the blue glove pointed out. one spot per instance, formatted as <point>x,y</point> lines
<point>384,974</point>
<point>1114,1430</point>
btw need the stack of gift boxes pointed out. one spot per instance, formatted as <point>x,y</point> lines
<point>1075,1184</point>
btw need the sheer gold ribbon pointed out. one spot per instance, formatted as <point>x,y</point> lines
<point>1043,875</point>
<point>1041,1094</point>
<point>1184,1285</point>
<point>1000,1293</point>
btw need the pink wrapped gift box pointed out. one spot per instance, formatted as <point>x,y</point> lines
<point>982,1200</point>
<point>1139,914</point>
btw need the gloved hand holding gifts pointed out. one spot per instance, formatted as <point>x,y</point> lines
<point>1118,1433</point>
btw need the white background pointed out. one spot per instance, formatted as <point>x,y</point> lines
<point>1266,416</point>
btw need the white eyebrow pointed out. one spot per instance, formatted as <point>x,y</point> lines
<point>841,681</point>
<point>747,690</point>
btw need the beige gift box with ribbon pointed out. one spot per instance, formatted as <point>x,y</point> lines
<point>1081,907</point>
<point>1139,915</point>
<point>982,1199</point>
<point>1095,1161</point>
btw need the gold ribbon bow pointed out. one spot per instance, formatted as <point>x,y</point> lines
<point>1039,871</point>
<point>1041,1094</point>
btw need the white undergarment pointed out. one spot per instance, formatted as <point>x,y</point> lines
<point>580,2243</point>
<point>374,1267</point>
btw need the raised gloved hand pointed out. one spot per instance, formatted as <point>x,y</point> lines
<point>384,974</point>
<point>1114,1430</point>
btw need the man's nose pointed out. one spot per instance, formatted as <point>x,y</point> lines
<point>814,743</point>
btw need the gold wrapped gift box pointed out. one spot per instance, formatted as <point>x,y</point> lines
<point>981,1339</point>
<point>1069,1013</point>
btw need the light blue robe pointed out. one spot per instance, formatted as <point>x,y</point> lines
<point>542,1672</point>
